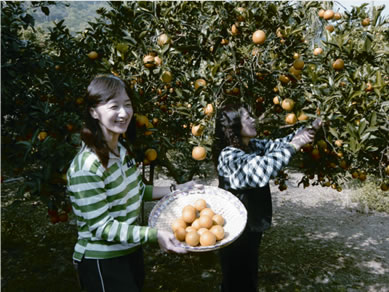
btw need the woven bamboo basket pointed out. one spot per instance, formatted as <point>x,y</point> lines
<point>222,202</point>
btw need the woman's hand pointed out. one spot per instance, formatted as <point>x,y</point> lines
<point>303,137</point>
<point>167,242</point>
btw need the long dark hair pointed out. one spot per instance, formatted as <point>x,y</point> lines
<point>100,90</point>
<point>228,128</point>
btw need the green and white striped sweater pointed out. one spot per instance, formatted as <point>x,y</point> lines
<point>107,204</point>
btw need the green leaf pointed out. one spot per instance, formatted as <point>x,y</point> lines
<point>333,132</point>
<point>373,119</point>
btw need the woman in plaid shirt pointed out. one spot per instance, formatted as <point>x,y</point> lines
<point>245,166</point>
<point>106,190</point>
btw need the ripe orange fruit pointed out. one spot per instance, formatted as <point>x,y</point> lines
<point>276,100</point>
<point>197,130</point>
<point>93,55</point>
<point>317,51</point>
<point>199,153</point>
<point>362,176</point>
<point>208,110</point>
<point>192,238</point>
<point>369,87</point>
<point>328,14</point>
<point>205,221</point>
<point>158,61</point>
<point>259,37</point>
<point>296,73</point>
<point>322,144</point>
<point>290,119</point>
<point>343,164</point>
<point>42,135</point>
<point>321,13</point>
<point>141,121</point>
<point>387,170</point>
<point>180,233</point>
<point>163,39</point>
<point>200,204</point>
<point>178,223</point>
<point>218,219</point>
<point>338,143</point>
<point>234,30</point>
<point>296,56</point>
<point>148,61</point>
<point>366,21</point>
<point>151,154</point>
<point>218,231</point>
<point>200,83</point>
<point>287,104</point>
<point>337,16</point>
<point>298,64</point>
<point>207,212</point>
<point>207,238</point>
<point>224,42</point>
<point>338,64</point>
<point>69,127</point>
<point>79,100</point>
<point>330,28</point>
<point>384,187</point>
<point>166,76</point>
<point>284,79</point>
<point>315,154</point>
<point>355,174</point>
<point>241,14</point>
<point>189,215</point>
<point>302,117</point>
<point>57,67</point>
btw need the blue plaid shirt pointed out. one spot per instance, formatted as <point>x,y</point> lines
<point>253,169</point>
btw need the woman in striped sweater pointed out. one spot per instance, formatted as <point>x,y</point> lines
<point>106,191</point>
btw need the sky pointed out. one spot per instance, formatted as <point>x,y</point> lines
<point>348,4</point>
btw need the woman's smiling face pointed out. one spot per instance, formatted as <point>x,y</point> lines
<point>115,115</point>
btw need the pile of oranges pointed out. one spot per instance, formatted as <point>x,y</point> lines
<point>199,225</point>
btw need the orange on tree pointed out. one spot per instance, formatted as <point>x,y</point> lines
<point>42,135</point>
<point>93,55</point>
<point>302,117</point>
<point>366,21</point>
<point>276,100</point>
<point>290,118</point>
<point>199,153</point>
<point>287,104</point>
<point>298,64</point>
<point>200,83</point>
<point>338,64</point>
<point>337,16</point>
<point>151,154</point>
<point>79,100</point>
<point>141,120</point>
<point>149,61</point>
<point>208,110</point>
<point>158,61</point>
<point>317,51</point>
<point>387,169</point>
<point>330,28</point>
<point>338,143</point>
<point>197,130</point>
<point>321,13</point>
<point>296,56</point>
<point>284,79</point>
<point>259,37</point>
<point>163,39</point>
<point>234,30</point>
<point>328,14</point>
<point>166,76</point>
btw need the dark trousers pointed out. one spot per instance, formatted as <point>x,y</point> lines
<point>125,273</point>
<point>239,263</point>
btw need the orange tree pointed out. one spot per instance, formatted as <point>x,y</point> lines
<point>289,62</point>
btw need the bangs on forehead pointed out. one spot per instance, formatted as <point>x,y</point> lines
<point>111,88</point>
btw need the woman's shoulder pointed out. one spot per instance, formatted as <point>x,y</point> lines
<point>86,160</point>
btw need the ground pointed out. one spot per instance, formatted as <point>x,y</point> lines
<point>319,241</point>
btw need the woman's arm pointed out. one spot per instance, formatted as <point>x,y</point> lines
<point>159,192</point>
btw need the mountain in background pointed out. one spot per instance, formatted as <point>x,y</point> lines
<point>75,13</point>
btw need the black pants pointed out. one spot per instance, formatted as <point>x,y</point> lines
<point>125,273</point>
<point>239,263</point>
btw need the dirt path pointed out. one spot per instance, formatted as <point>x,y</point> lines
<point>321,241</point>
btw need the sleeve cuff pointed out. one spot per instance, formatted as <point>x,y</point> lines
<point>152,236</point>
<point>292,147</point>
<point>148,194</point>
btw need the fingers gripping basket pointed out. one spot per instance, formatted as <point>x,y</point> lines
<point>222,202</point>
